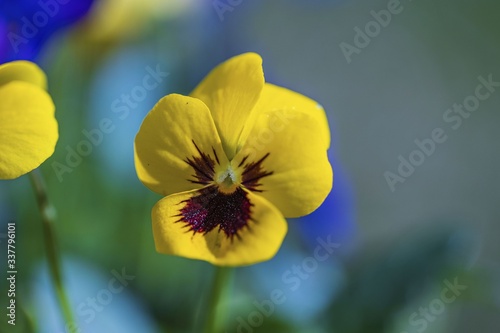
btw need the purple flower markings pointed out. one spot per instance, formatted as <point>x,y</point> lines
<point>213,207</point>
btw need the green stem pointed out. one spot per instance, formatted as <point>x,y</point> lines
<point>219,288</point>
<point>48,213</point>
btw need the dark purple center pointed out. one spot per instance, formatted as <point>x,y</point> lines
<point>210,207</point>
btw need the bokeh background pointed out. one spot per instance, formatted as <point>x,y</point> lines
<point>423,256</point>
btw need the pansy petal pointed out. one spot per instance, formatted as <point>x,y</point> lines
<point>285,103</point>
<point>259,241</point>
<point>292,131</point>
<point>231,91</point>
<point>28,129</point>
<point>22,70</point>
<point>178,129</point>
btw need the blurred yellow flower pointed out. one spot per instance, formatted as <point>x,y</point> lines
<point>28,128</point>
<point>232,160</point>
<point>112,20</point>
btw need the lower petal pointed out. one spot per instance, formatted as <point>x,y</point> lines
<point>178,229</point>
<point>28,128</point>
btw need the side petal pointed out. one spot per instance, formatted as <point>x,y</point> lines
<point>230,91</point>
<point>292,130</point>
<point>257,242</point>
<point>22,70</point>
<point>286,104</point>
<point>179,129</point>
<point>28,128</point>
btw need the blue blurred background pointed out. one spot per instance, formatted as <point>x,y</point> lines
<point>414,249</point>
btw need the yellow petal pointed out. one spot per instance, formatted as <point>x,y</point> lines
<point>230,91</point>
<point>22,70</point>
<point>166,140</point>
<point>259,242</point>
<point>293,129</point>
<point>28,129</point>
<point>280,100</point>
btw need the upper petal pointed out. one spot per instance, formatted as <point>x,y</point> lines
<point>257,242</point>
<point>22,70</point>
<point>28,128</point>
<point>293,130</point>
<point>286,103</point>
<point>178,129</point>
<point>230,91</point>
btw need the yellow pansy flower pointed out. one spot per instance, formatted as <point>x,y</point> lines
<point>28,128</point>
<point>233,159</point>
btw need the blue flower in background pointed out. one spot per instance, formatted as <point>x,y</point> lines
<point>26,25</point>
<point>335,218</point>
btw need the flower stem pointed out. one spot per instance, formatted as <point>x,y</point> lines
<point>215,313</point>
<point>48,214</point>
